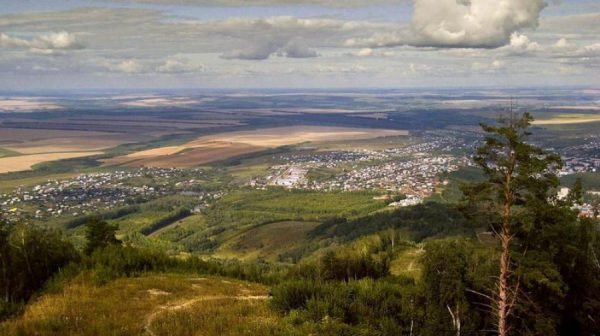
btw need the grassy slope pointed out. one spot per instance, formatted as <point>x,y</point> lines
<point>168,304</point>
<point>194,222</point>
<point>266,241</point>
<point>309,205</point>
<point>407,262</point>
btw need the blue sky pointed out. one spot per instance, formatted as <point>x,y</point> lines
<point>52,44</point>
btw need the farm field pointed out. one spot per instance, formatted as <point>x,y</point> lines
<point>185,156</point>
<point>281,136</point>
<point>568,119</point>
<point>10,136</point>
<point>25,162</point>
<point>74,144</point>
<point>222,146</point>
<point>266,242</point>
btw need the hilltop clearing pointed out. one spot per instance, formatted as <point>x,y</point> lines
<point>151,305</point>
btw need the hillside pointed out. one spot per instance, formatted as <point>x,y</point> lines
<point>165,304</point>
<point>266,242</point>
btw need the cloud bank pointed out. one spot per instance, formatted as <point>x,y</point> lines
<point>52,43</point>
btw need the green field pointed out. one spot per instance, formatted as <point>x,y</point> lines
<point>277,203</point>
<point>266,242</point>
<point>8,153</point>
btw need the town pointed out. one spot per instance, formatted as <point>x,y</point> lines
<point>93,193</point>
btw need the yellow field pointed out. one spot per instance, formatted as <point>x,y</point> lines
<point>585,107</point>
<point>281,136</point>
<point>189,155</point>
<point>222,146</point>
<point>18,104</point>
<point>568,119</point>
<point>25,162</point>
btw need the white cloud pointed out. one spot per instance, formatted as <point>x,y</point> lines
<point>563,44</point>
<point>341,69</point>
<point>520,45</point>
<point>365,52</point>
<point>474,23</point>
<point>492,67</point>
<point>283,36</point>
<point>459,24</point>
<point>127,66</point>
<point>45,44</point>
<point>297,49</point>
<point>179,65</point>
<point>419,68</point>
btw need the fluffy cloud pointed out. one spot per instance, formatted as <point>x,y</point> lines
<point>127,66</point>
<point>474,23</point>
<point>365,52</point>
<point>460,24</point>
<point>283,36</point>
<point>176,64</point>
<point>46,44</point>
<point>520,45</point>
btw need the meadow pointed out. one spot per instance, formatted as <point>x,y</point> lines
<point>159,304</point>
<point>266,242</point>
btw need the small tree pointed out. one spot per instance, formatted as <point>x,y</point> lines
<point>519,179</point>
<point>100,234</point>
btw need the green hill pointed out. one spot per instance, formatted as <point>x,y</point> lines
<point>165,304</point>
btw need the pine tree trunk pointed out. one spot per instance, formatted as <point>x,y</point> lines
<point>503,286</point>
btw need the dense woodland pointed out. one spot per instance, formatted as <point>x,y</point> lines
<point>538,274</point>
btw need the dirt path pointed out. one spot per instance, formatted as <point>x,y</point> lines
<point>182,305</point>
<point>416,254</point>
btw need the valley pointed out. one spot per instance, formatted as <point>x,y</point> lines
<point>217,202</point>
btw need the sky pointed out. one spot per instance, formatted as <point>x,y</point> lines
<point>170,44</point>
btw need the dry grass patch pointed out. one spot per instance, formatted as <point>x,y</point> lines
<point>133,307</point>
